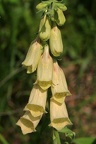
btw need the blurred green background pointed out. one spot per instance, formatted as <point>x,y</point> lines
<point>19,23</point>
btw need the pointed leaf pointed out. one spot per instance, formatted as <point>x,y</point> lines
<point>85,140</point>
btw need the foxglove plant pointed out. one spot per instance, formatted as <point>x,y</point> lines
<point>42,56</point>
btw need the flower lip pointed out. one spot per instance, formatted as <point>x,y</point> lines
<point>28,123</point>
<point>60,123</point>
<point>26,126</point>
<point>44,84</point>
<point>35,110</point>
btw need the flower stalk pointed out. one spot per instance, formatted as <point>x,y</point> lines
<point>47,45</point>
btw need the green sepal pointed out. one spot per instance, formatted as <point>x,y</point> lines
<point>56,137</point>
<point>67,132</point>
<point>61,6</point>
<point>42,5</point>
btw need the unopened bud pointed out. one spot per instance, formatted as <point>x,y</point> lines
<point>44,29</point>
<point>56,45</point>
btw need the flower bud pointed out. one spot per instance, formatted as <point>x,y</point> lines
<point>60,18</point>
<point>45,69</point>
<point>59,88</point>
<point>61,6</point>
<point>37,101</point>
<point>58,115</point>
<point>28,123</point>
<point>56,45</point>
<point>33,56</point>
<point>42,5</point>
<point>44,29</point>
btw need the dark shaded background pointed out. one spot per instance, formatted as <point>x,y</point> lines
<point>19,23</point>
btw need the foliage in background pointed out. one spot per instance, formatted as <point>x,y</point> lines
<point>18,25</point>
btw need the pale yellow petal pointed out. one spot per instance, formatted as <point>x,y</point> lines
<point>45,69</point>
<point>44,29</point>
<point>59,98</point>
<point>58,115</point>
<point>45,84</point>
<point>59,88</point>
<point>33,56</point>
<point>56,45</point>
<point>37,101</point>
<point>28,123</point>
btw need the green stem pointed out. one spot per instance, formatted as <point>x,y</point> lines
<point>2,139</point>
<point>56,137</point>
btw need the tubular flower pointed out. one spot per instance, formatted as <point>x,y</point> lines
<point>45,69</point>
<point>37,101</point>
<point>56,45</point>
<point>59,88</point>
<point>58,115</point>
<point>33,56</point>
<point>28,123</point>
<point>44,29</point>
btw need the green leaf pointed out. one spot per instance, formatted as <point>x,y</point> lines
<point>2,12</point>
<point>85,140</point>
<point>56,138</point>
<point>67,132</point>
<point>3,140</point>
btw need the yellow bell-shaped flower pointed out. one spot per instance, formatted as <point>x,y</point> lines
<point>58,115</point>
<point>56,45</point>
<point>33,56</point>
<point>44,29</point>
<point>37,101</point>
<point>59,85</point>
<point>28,123</point>
<point>45,69</point>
